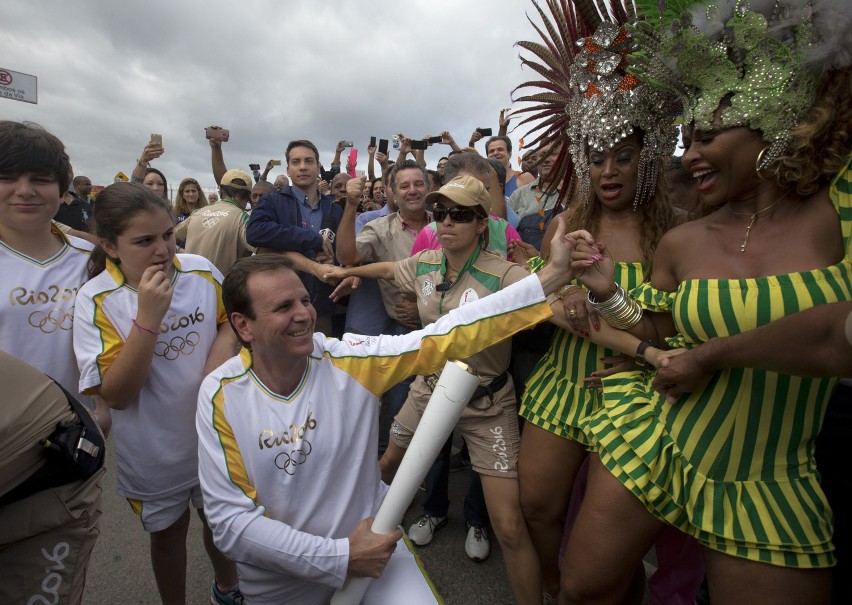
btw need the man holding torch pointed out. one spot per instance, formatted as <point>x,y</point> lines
<point>288,431</point>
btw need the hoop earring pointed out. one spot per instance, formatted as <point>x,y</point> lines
<point>758,161</point>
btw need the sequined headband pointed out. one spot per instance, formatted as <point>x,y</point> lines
<point>590,95</point>
<point>609,104</point>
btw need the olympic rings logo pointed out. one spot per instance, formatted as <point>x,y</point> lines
<point>53,320</point>
<point>177,346</point>
<point>288,462</point>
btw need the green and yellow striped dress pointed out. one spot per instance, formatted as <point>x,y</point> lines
<point>732,465</point>
<point>555,398</point>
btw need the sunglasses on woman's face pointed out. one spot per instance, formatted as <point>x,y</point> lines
<point>457,214</point>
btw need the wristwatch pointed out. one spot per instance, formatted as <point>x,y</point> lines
<point>639,357</point>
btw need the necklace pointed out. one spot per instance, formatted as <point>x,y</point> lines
<point>448,283</point>
<point>754,218</point>
<point>452,272</point>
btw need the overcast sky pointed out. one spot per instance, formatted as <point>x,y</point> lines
<point>111,73</point>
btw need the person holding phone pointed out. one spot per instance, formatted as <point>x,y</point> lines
<point>269,166</point>
<point>328,175</point>
<point>377,154</point>
<point>144,174</point>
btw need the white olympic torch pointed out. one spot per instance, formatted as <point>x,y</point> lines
<point>454,389</point>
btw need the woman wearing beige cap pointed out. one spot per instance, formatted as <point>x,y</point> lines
<point>442,280</point>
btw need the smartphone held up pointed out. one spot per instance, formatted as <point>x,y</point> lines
<point>217,134</point>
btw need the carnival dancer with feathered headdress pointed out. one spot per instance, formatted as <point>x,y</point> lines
<point>615,132</point>
<point>767,106</point>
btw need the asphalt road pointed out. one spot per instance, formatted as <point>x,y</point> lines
<point>120,568</point>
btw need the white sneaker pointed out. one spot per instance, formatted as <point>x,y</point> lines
<point>477,545</point>
<point>423,530</point>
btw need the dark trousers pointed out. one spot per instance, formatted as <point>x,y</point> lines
<point>436,501</point>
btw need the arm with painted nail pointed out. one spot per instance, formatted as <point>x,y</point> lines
<point>614,365</point>
<point>605,336</point>
<point>595,269</point>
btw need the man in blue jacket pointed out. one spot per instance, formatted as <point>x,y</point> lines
<point>299,219</point>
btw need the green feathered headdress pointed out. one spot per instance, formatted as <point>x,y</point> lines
<point>751,55</point>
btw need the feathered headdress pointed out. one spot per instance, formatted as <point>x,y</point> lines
<point>590,98</point>
<point>763,56</point>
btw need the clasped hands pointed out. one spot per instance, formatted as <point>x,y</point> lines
<point>679,371</point>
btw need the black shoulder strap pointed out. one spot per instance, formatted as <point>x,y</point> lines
<point>74,451</point>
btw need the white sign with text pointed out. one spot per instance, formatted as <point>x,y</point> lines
<point>17,86</point>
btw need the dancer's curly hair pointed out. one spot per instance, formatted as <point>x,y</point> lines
<point>821,141</point>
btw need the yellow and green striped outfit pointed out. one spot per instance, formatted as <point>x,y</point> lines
<point>555,398</point>
<point>732,465</point>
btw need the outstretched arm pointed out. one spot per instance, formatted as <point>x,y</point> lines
<point>335,162</point>
<point>373,270</point>
<point>371,162</point>
<point>815,342</point>
<point>217,160</point>
<point>151,152</point>
<point>347,252</point>
<point>404,147</point>
<point>447,139</point>
<point>503,121</point>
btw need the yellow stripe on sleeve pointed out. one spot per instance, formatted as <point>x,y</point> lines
<point>378,373</point>
<point>111,342</point>
<point>233,458</point>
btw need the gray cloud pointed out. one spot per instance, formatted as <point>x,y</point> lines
<point>111,73</point>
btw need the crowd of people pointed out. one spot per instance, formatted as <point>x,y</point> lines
<point>658,339</point>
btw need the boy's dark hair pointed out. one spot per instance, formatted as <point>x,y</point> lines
<point>27,147</point>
